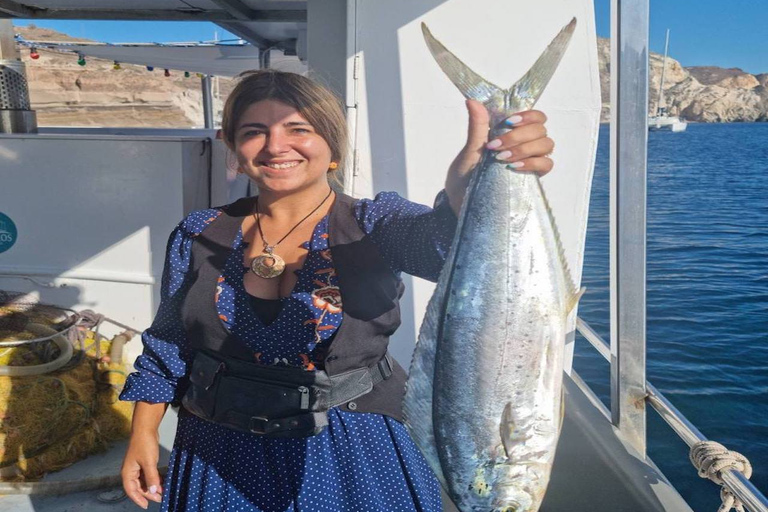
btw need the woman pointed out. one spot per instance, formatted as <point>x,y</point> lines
<point>290,256</point>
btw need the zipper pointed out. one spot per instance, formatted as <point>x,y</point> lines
<point>222,367</point>
<point>304,397</point>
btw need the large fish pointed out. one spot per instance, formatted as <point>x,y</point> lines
<point>484,395</point>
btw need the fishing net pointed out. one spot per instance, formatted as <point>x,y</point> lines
<point>51,420</point>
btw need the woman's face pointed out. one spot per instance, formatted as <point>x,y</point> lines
<point>279,149</point>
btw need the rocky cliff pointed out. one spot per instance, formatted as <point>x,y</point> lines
<point>702,93</point>
<point>66,94</point>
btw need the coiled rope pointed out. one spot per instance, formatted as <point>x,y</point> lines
<point>711,459</point>
<point>81,330</point>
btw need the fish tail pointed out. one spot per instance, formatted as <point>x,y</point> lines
<point>533,83</point>
<point>502,102</point>
<point>471,85</point>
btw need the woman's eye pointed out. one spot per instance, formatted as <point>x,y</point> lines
<point>251,133</point>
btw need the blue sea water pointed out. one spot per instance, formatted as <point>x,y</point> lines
<point>707,293</point>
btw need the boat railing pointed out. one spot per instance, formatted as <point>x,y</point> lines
<point>735,481</point>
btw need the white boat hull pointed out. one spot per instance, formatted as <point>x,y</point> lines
<point>673,124</point>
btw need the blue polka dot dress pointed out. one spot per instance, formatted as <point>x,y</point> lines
<point>362,462</point>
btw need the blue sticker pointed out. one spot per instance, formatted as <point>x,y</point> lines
<point>8,233</point>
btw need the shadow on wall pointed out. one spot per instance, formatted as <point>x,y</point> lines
<point>382,54</point>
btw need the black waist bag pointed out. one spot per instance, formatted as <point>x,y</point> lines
<point>272,401</point>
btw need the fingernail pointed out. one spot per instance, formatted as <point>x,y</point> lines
<point>153,489</point>
<point>503,155</point>
<point>513,119</point>
<point>516,165</point>
<point>493,144</point>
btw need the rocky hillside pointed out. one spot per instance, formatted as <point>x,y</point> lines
<point>66,94</point>
<point>702,93</point>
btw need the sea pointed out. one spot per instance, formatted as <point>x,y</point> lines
<point>707,293</point>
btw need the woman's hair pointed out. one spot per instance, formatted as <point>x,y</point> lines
<point>314,102</point>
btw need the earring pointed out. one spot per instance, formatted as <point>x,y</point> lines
<point>333,166</point>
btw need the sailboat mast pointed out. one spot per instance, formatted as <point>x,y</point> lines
<point>663,70</point>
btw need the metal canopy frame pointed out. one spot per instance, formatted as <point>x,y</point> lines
<point>232,15</point>
<point>231,10</point>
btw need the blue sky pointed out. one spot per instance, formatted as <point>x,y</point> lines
<point>725,33</point>
<point>135,31</point>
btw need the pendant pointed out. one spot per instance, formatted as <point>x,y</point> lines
<point>267,264</point>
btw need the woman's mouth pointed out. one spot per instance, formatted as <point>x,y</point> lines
<point>281,165</point>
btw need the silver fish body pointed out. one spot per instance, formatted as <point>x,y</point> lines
<point>483,400</point>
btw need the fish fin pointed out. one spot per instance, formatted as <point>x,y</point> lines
<point>573,301</point>
<point>471,85</point>
<point>562,408</point>
<point>532,84</point>
<point>573,292</point>
<point>507,429</point>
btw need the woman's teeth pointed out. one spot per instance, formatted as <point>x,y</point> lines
<point>286,165</point>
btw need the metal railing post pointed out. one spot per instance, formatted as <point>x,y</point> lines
<point>629,134</point>
<point>207,101</point>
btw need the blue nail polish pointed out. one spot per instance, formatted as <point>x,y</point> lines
<point>508,122</point>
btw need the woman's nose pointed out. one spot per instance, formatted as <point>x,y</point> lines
<point>277,143</point>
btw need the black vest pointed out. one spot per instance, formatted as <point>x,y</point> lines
<point>370,293</point>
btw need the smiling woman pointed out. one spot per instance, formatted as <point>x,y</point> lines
<point>275,318</point>
<point>278,149</point>
<point>316,110</point>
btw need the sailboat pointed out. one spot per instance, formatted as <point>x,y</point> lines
<point>661,120</point>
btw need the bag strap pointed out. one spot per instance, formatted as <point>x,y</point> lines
<point>356,383</point>
<point>300,425</point>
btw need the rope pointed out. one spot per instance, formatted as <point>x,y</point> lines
<point>16,343</point>
<point>75,327</point>
<point>711,459</point>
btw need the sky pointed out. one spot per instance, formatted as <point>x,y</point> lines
<point>725,33</point>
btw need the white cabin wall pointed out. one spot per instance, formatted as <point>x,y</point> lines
<point>94,213</point>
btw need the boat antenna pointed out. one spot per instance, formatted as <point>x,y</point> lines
<point>663,70</point>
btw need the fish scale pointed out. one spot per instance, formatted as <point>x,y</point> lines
<point>483,399</point>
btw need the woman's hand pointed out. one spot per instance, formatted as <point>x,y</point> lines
<point>525,146</point>
<point>141,480</point>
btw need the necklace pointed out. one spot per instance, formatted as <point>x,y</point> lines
<point>268,264</point>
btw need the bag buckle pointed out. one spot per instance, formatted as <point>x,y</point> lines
<point>385,367</point>
<point>258,425</point>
